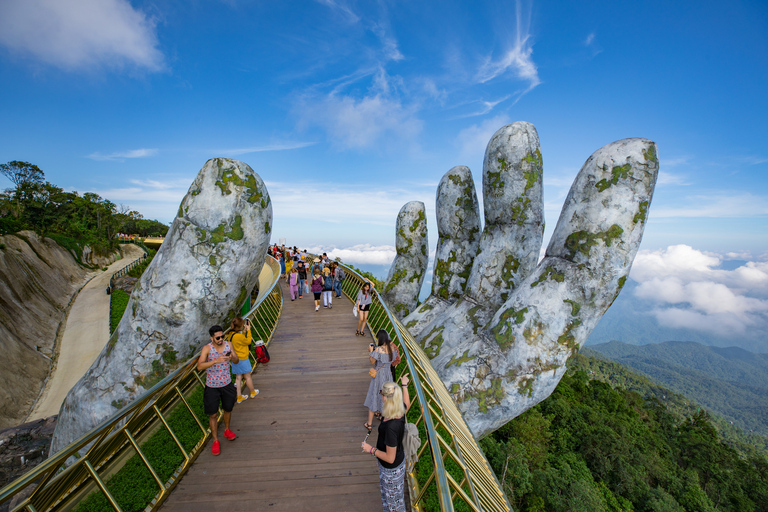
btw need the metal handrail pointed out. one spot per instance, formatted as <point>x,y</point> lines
<point>475,484</point>
<point>108,445</point>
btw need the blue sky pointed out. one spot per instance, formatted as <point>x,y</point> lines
<point>349,109</point>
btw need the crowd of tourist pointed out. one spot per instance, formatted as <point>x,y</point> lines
<point>385,400</point>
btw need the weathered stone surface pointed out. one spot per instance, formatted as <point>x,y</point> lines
<point>498,359</point>
<point>23,447</point>
<point>202,274</point>
<point>406,275</point>
<point>38,280</point>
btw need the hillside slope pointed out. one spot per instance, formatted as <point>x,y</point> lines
<point>728,381</point>
<point>38,279</point>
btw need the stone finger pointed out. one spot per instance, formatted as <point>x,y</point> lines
<point>513,208</point>
<point>201,275</point>
<point>406,274</point>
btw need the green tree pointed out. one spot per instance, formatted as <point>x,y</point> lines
<point>23,175</point>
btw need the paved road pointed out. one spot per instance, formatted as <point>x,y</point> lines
<point>85,334</point>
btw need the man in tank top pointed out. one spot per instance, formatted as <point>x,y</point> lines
<point>214,359</point>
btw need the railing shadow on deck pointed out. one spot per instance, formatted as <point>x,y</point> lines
<point>163,417</point>
<point>452,472</point>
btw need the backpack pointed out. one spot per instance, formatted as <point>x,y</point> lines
<point>262,354</point>
<point>328,283</point>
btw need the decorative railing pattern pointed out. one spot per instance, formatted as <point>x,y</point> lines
<point>114,444</point>
<point>452,472</point>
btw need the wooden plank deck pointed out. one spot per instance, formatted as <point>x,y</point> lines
<point>298,445</point>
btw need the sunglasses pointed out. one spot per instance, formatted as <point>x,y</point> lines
<point>219,337</point>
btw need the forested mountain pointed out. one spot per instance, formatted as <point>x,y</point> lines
<point>728,381</point>
<point>591,447</point>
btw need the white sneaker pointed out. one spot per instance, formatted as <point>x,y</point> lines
<point>317,308</point>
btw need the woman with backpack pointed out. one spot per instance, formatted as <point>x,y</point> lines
<point>327,288</point>
<point>389,446</point>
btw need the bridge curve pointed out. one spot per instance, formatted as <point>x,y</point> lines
<point>135,459</point>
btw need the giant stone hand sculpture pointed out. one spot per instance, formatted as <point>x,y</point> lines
<point>201,276</point>
<point>497,326</point>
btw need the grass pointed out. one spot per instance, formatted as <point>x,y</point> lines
<point>133,487</point>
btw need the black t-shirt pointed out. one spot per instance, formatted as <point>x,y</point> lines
<point>391,434</point>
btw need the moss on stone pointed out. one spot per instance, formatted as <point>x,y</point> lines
<point>533,175</point>
<point>396,278</point>
<point>411,324</point>
<point>575,306</point>
<point>491,397</point>
<point>180,212</point>
<point>409,243</point>
<point>583,241</point>
<point>642,213</point>
<point>459,360</point>
<point>549,273</point>
<point>420,218</point>
<point>617,172</point>
<point>212,260</point>
<point>502,332</point>
<point>650,154</point>
<point>456,180</point>
<point>252,187</point>
<point>455,388</point>
<point>622,281</point>
<point>525,387</point>
<point>434,343</point>
<point>567,338</point>
<point>509,269</point>
<point>519,210</point>
<point>472,313</point>
<point>235,233</point>
<point>267,228</point>
<point>195,193</point>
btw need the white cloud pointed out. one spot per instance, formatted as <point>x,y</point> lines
<point>122,155</point>
<point>378,117</point>
<point>486,106</point>
<point>80,34</point>
<point>666,178</point>
<point>362,254</point>
<point>341,7</point>
<point>516,59</point>
<point>690,290</point>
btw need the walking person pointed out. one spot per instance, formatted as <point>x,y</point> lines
<point>338,278</point>
<point>381,358</point>
<point>293,283</point>
<point>240,337</point>
<point>282,264</point>
<point>302,270</point>
<point>327,288</point>
<point>317,287</point>
<point>363,303</point>
<point>215,359</point>
<point>389,446</point>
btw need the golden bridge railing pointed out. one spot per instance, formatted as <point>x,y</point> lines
<point>452,472</point>
<point>111,446</point>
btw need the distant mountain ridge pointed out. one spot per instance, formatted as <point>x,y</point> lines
<point>731,382</point>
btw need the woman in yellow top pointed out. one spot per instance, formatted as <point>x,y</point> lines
<point>240,337</point>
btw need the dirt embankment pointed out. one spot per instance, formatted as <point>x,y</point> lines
<point>38,281</point>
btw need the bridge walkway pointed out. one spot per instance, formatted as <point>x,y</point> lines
<point>298,445</point>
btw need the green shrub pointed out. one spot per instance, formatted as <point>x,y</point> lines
<point>119,302</point>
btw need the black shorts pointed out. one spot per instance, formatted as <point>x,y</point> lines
<point>212,396</point>
<point>317,295</point>
<point>365,307</point>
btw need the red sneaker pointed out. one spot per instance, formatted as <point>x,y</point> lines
<point>230,435</point>
<point>216,448</point>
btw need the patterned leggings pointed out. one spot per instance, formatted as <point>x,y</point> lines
<point>392,483</point>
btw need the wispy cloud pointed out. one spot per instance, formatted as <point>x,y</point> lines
<point>342,8</point>
<point>486,107</point>
<point>123,155</point>
<point>351,121</point>
<point>667,178</point>
<point>517,59</point>
<point>82,34</point>
<point>283,146</point>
